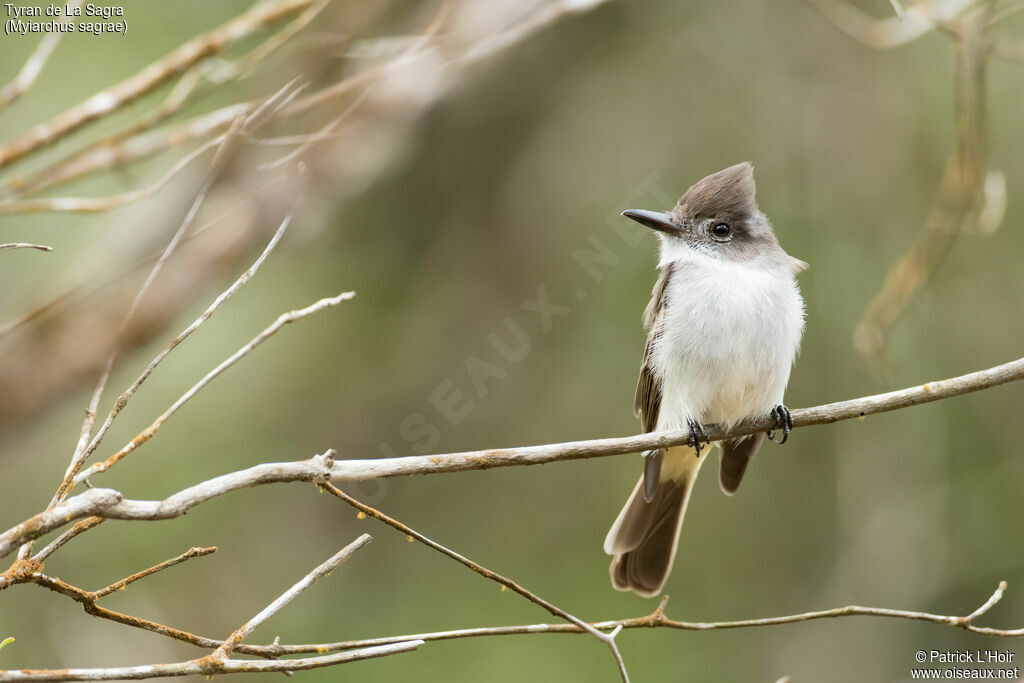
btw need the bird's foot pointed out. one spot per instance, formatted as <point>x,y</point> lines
<point>697,435</point>
<point>783,421</point>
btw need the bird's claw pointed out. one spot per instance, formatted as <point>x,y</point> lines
<point>783,421</point>
<point>697,435</point>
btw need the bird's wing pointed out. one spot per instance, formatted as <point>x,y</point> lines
<point>648,387</point>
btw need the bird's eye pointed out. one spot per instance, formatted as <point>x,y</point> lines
<point>721,231</point>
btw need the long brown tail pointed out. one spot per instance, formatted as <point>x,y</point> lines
<point>644,537</point>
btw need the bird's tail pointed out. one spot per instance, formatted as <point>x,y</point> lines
<point>643,538</point>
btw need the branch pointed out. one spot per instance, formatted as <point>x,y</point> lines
<point>81,455</point>
<point>25,245</point>
<point>110,504</point>
<point>915,21</point>
<point>75,507</point>
<point>218,662</point>
<point>86,442</point>
<point>804,417</point>
<point>483,571</point>
<point>203,666</point>
<point>335,561</point>
<point>150,431</point>
<point>657,619</point>
<point>124,583</point>
<point>57,543</point>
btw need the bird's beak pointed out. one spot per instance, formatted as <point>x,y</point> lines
<point>662,222</point>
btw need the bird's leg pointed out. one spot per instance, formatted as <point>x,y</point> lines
<point>697,434</point>
<point>783,421</point>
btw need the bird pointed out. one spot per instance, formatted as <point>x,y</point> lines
<point>724,326</point>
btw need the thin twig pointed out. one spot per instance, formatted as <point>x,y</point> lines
<point>125,582</point>
<point>202,666</point>
<point>657,619</point>
<point>57,516</point>
<point>29,571</point>
<point>335,561</point>
<point>122,400</point>
<point>804,417</point>
<point>883,34</point>
<point>25,245</point>
<point>607,639</point>
<point>109,504</point>
<point>148,433</point>
<point>87,443</point>
<point>78,528</point>
<point>989,604</point>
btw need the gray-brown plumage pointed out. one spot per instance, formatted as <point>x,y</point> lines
<point>723,326</point>
<point>647,530</point>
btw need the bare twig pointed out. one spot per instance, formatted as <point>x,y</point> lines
<point>57,516</point>
<point>989,604</point>
<point>882,34</point>
<point>25,245</point>
<point>78,528</point>
<point>148,433</point>
<point>109,504</point>
<point>657,619</point>
<point>86,442</point>
<point>804,417</point>
<point>30,571</point>
<point>607,639</point>
<point>174,343</point>
<point>203,666</point>
<point>219,661</point>
<point>335,561</point>
<point>123,583</point>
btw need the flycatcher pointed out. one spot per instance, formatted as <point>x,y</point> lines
<point>724,326</point>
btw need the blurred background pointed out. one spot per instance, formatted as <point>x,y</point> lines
<point>478,154</point>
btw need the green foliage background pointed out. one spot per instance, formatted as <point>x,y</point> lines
<point>525,162</point>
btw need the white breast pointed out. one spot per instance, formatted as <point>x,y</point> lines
<point>729,333</point>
